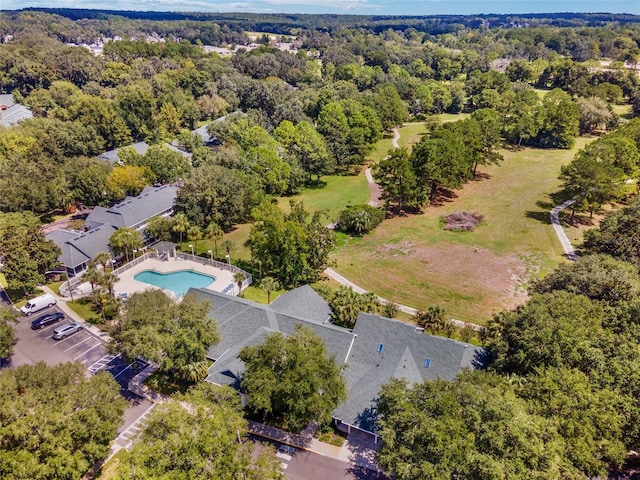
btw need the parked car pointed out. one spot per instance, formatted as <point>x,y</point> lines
<point>288,449</point>
<point>47,319</point>
<point>38,303</point>
<point>65,330</point>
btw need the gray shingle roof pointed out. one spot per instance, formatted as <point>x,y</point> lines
<point>140,147</point>
<point>242,322</point>
<point>14,115</point>
<point>303,302</point>
<point>6,99</point>
<point>133,211</point>
<point>403,355</point>
<point>78,248</point>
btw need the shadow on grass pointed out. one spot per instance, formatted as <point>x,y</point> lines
<point>479,176</point>
<point>541,216</point>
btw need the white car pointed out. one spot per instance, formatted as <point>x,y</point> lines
<point>65,330</point>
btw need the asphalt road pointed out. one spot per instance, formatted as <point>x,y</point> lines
<point>303,465</point>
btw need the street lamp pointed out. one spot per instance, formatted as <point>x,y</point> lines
<point>228,261</point>
<point>191,247</point>
<point>210,253</point>
<point>135,250</point>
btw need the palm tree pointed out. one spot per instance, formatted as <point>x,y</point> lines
<point>228,246</point>
<point>215,233</point>
<point>103,259</point>
<point>125,239</point>
<point>92,275</point>
<point>269,284</point>
<point>194,372</point>
<point>239,278</point>
<point>108,280</point>
<point>195,234</point>
<point>180,224</point>
<point>371,303</point>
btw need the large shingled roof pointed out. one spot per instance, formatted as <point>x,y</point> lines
<point>377,350</point>
<point>303,302</point>
<point>387,349</point>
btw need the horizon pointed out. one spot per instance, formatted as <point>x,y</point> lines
<point>342,7</point>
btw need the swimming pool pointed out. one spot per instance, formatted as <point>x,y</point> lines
<point>178,282</point>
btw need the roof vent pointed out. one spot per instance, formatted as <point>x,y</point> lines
<point>427,363</point>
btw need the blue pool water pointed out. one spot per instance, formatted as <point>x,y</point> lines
<point>178,282</point>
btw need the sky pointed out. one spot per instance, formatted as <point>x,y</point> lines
<point>363,7</point>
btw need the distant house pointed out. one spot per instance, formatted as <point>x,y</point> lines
<point>203,132</point>
<point>12,113</point>
<point>79,248</point>
<point>141,148</point>
<point>377,350</point>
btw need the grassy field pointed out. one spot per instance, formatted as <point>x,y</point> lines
<point>338,192</point>
<point>413,261</point>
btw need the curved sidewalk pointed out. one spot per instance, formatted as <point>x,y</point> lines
<point>330,272</point>
<point>557,226</point>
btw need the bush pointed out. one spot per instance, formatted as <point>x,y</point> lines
<point>359,219</point>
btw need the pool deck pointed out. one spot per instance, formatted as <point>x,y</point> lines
<point>129,285</point>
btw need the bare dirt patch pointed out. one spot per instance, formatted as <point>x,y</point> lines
<point>500,280</point>
<point>462,221</point>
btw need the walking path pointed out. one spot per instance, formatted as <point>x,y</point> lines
<point>374,188</point>
<point>557,226</point>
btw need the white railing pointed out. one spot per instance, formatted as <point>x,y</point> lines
<point>220,265</point>
<point>77,280</point>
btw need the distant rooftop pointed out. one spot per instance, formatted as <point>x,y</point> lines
<point>140,147</point>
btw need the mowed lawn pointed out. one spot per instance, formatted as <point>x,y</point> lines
<point>412,260</point>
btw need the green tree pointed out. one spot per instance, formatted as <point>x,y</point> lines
<point>397,180</point>
<point>269,284</point>
<point>181,224</point>
<point>472,427</point>
<point>292,380</point>
<point>7,333</point>
<point>213,193</point>
<point>289,248</point>
<point>57,422</point>
<point>201,432</point>
<point>27,253</point>
<point>618,235</point>
<point>590,182</point>
<point>239,278</point>
<point>175,336</point>
<point>215,233</point>
<point>359,219</point>
<point>589,418</point>
<point>125,240</point>
<point>195,233</point>
<point>159,228</point>
<point>599,277</point>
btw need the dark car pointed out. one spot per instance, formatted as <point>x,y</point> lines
<point>47,319</point>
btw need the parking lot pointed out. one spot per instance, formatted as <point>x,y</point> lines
<point>39,346</point>
<point>34,346</point>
